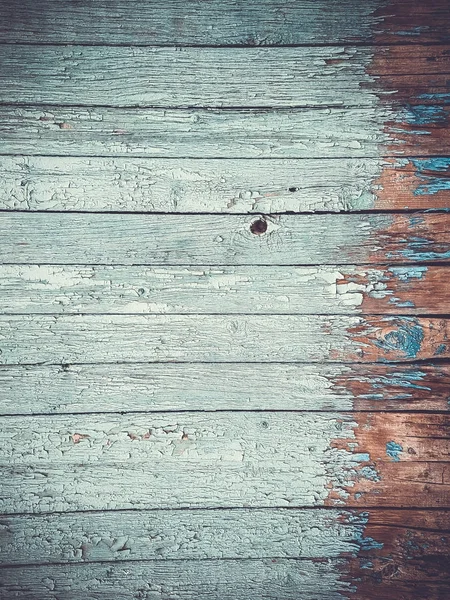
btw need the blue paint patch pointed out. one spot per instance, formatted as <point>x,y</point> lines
<point>393,450</point>
<point>415,31</point>
<point>440,349</point>
<point>444,97</point>
<point>367,543</point>
<point>400,304</point>
<point>407,273</point>
<point>416,251</point>
<point>406,339</point>
<point>425,115</point>
<point>431,164</point>
<point>370,473</point>
<point>431,185</point>
<point>417,219</point>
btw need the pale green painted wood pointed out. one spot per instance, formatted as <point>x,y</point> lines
<point>216,460</point>
<point>174,77</point>
<point>183,185</point>
<point>185,338</point>
<point>197,133</point>
<point>183,580</point>
<point>182,534</point>
<point>267,22</point>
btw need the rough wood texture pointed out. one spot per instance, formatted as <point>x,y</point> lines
<point>175,77</point>
<point>215,133</point>
<point>263,23</point>
<point>227,534</point>
<point>86,462</point>
<point>224,290</point>
<point>220,338</point>
<point>172,239</point>
<point>197,387</point>
<point>244,579</point>
<point>229,186</point>
<point>184,580</point>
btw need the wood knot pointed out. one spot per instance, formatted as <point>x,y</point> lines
<point>258,227</point>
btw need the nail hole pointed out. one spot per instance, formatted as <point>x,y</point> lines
<point>293,189</point>
<point>258,227</point>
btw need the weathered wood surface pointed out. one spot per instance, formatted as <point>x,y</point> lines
<point>31,339</point>
<point>226,133</point>
<point>280,579</point>
<point>28,289</point>
<point>263,23</point>
<point>121,536</point>
<point>104,462</point>
<point>229,186</point>
<point>222,77</point>
<point>173,239</point>
<point>184,580</point>
<point>66,388</point>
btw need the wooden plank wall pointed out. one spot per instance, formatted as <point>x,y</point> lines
<point>224,314</point>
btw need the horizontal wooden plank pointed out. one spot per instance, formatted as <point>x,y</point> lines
<point>131,239</point>
<point>220,338</point>
<point>100,462</point>
<point>226,290</point>
<point>229,186</point>
<point>175,77</point>
<point>165,387</point>
<point>164,580</point>
<point>118,536</point>
<point>214,133</point>
<point>265,23</point>
<point>230,579</point>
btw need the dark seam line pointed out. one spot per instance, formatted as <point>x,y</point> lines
<point>262,411</point>
<point>229,215</point>
<point>345,42</point>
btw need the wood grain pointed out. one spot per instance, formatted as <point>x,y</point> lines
<point>228,186</point>
<point>233,133</point>
<point>266,23</point>
<point>226,290</point>
<point>221,77</point>
<point>59,389</point>
<point>210,240</point>
<point>220,338</point>
<point>125,536</point>
<point>103,462</point>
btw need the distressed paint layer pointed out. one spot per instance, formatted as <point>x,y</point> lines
<point>266,460</point>
<point>224,534</point>
<point>223,186</point>
<point>62,389</point>
<point>188,77</point>
<point>246,133</point>
<point>220,338</point>
<point>293,290</point>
